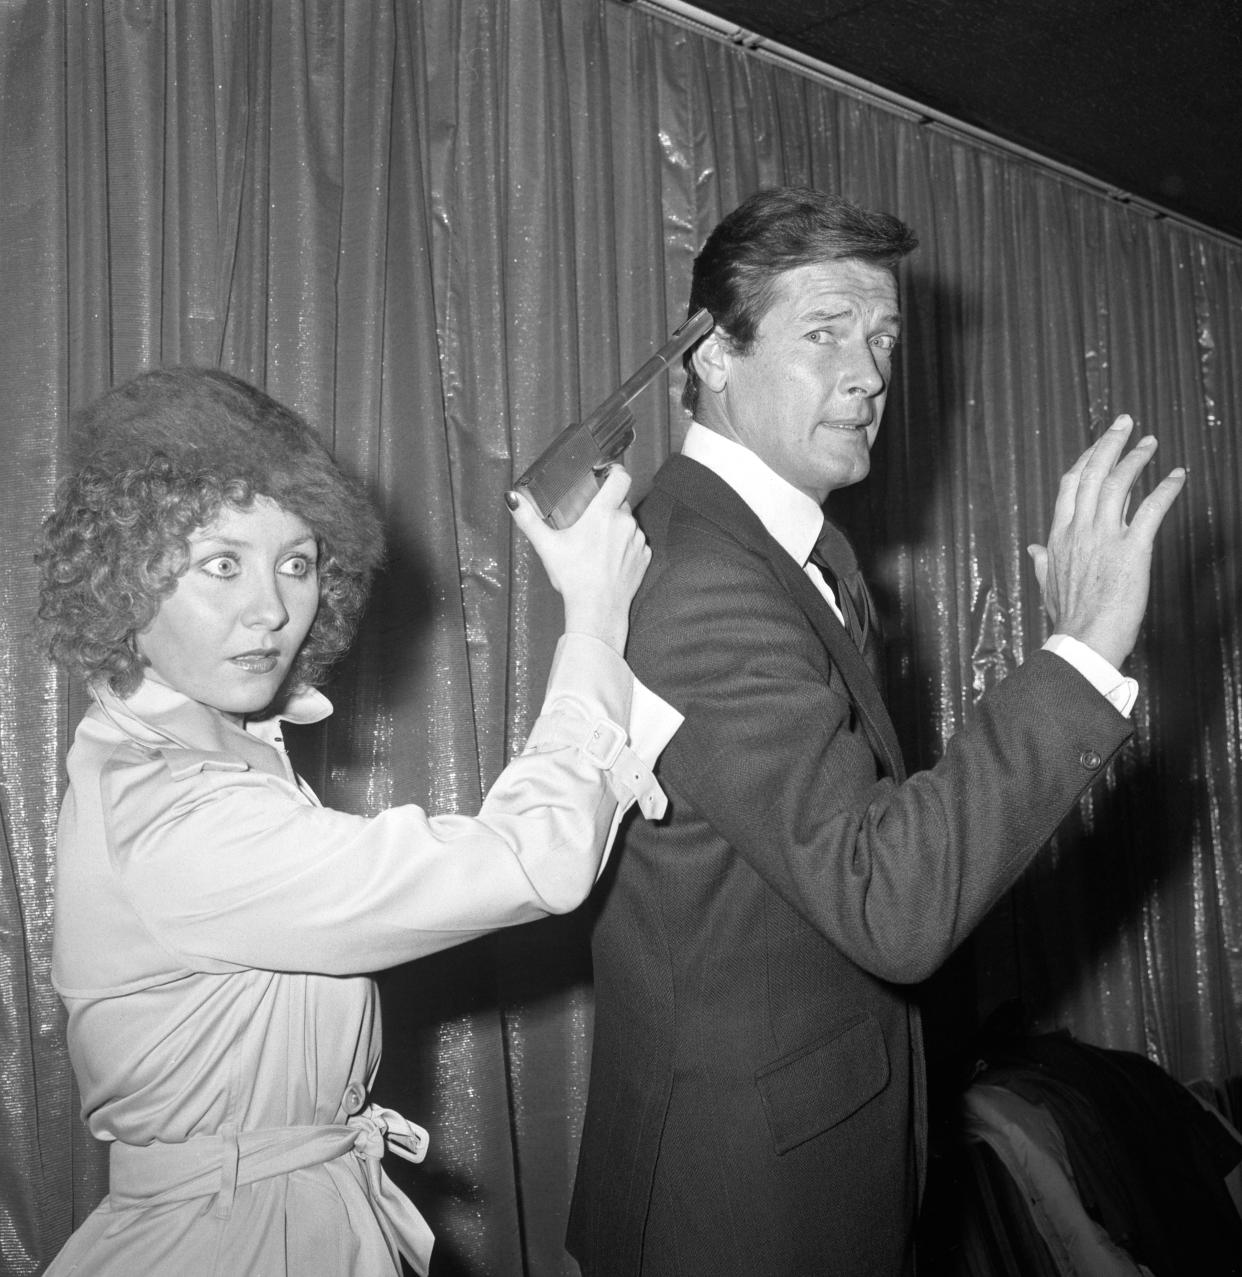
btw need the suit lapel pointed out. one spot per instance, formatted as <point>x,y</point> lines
<point>708,495</point>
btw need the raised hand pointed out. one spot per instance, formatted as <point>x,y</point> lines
<point>596,564</point>
<point>1095,571</point>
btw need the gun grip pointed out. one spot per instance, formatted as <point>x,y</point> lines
<point>568,474</point>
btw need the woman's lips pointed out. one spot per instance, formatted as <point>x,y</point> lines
<point>256,662</point>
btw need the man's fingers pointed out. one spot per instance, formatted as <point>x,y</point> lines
<point>1149,516</point>
<point>1103,454</point>
<point>1098,485</point>
<point>1039,557</point>
<point>1114,493</point>
<point>1101,465</point>
<point>1108,447</point>
<point>1067,493</point>
<point>1096,461</point>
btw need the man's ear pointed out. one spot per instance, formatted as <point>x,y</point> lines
<point>711,360</point>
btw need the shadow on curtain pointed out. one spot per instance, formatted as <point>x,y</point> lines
<point>443,229</point>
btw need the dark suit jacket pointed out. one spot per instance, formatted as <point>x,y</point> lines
<point>756,1102</point>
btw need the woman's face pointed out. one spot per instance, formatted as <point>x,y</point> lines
<point>231,629</point>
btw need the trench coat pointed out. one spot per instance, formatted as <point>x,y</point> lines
<point>214,925</point>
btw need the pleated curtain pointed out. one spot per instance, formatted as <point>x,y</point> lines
<point>442,230</point>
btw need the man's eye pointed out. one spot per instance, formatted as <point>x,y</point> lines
<point>885,341</point>
<point>222,565</point>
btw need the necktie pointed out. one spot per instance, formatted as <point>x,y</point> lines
<point>834,557</point>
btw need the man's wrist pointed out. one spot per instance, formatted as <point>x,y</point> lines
<point>1121,692</point>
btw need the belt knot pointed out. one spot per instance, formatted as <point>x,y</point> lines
<point>378,1128</point>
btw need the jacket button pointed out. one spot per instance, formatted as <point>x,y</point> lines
<point>1090,759</point>
<point>352,1100</point>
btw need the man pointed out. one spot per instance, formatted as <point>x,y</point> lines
<point>757,1101</point>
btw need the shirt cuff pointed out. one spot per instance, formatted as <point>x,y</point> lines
<point>653,723</point>
<point>1120,692</point>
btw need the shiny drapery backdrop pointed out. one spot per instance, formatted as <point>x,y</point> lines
<point>442,230</point>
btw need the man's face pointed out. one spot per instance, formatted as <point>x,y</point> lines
<point>808,397</point>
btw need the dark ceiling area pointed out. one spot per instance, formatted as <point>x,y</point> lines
<point>1141,95</point>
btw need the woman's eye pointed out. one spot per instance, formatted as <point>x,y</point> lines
<point>222,565</point>
<point>298,565</point>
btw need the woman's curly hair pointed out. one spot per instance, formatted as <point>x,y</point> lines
<point>158,457</point>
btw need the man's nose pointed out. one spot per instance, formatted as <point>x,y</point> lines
<point>265,606</point>
<point>863,376</point>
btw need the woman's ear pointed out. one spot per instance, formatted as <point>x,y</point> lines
<point>711,360</point>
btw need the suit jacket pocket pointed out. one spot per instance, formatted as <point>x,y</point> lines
<point>813,1088</point>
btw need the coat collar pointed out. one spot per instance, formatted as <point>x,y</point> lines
<point>695,486</point>
<point>157,717</point>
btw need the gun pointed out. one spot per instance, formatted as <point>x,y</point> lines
<point>570,469</point>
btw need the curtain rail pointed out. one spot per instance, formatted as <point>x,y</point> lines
<point>704,23</point>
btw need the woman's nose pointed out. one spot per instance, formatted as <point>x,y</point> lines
<point>265,607</point>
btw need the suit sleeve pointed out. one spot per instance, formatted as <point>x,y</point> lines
<point>895,875</point>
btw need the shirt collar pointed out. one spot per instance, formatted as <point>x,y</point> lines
<point>791,517</point>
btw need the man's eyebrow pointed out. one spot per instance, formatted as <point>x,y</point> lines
<point>825,315</point>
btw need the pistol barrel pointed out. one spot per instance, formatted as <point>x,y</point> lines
<point>565,475</point>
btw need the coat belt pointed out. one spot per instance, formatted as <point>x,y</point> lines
<point>215,1165</point>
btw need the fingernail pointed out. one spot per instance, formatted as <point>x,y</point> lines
<point>512,501</point>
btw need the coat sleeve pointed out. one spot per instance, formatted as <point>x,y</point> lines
<point>771,758</point>
<point>230,867</point>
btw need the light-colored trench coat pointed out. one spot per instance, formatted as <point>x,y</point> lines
<point>213,928</point>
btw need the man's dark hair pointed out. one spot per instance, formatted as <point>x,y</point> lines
<point>774,231</point>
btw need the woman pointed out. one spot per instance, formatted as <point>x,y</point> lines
<point>203,567</point>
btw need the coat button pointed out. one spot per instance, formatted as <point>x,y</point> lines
<point>1090,759</point>
<point>352,1100</point>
